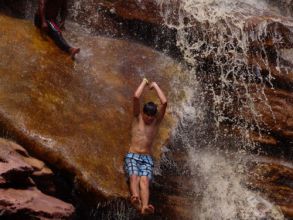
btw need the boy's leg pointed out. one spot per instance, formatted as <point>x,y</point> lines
<point>134,185</point>
<point>134,190</point>
<point>131,168</point>
<point>145,194</point>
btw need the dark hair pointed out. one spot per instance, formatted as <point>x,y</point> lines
<point>150,109</point>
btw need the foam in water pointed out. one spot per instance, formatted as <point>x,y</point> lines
<point>210,31</point>
<point>224,196</point>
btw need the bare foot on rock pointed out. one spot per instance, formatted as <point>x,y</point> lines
<point>147,210</point>
<point>73,52</point>
<point>135,201</point>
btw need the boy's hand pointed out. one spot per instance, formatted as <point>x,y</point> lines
<point>145,80</point>
<point>152,85</point>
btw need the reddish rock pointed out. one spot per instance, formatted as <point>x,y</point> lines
<point>2,181</point>
<point>147,11</point>
<point>35,163</point>
<point>18,173</point>
<point>12,166</point>
<point>32,203</point>
<point>16,164</point>
<point>276,115</point>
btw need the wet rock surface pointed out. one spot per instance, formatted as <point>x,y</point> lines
<point>274,179</point>
<point>19,193</point>
<point>267,56</point>
<point>76,115</point>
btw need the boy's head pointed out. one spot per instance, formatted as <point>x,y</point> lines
<point>149,112</point>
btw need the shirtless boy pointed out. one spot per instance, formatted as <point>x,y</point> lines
<point>46,18</point>
<point>138,161</point>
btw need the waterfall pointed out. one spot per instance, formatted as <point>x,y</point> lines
<point>218,40</point>
<point>213,38</point>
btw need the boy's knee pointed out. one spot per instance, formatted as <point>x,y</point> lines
<point>134,178</point>
<point>144,180</point>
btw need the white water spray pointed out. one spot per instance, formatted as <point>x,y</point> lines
<point>214,39</point>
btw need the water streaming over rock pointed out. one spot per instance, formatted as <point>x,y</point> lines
<point>215,41</point>
<point>228,47</point>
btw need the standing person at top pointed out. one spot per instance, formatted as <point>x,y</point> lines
<point>46,18</point>
<point>138,161</point>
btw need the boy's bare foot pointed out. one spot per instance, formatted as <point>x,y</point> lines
<point>147,210</point>
<point>135,201</point>
<point>73,52</point>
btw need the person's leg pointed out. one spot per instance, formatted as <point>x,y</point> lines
<point>146,173</point>
<point>145,194</point>
<point>131,167</point>
<point>134,191</point>
<point>56,34</point>
<point>134,185</point>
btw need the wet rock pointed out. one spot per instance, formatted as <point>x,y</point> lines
<point>76,115</point>
<point>276,116</point>
<point>275,180</point>
<point>285,7</point>
<point>31,203</point>
<point>19,8</point>
<point>147,11</point>
<point>139,20</point>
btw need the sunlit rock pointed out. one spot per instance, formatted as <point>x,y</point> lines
<point>77,115</point>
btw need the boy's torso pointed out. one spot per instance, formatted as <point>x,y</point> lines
<point>142,136</point>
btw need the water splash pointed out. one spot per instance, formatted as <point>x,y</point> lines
<point>215,41</point>
<point>224,196</point>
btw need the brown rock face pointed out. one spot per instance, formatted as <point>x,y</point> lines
<point>284,6</point>
<point>280,120</point>
<point>77,116</point>
<point>274,179</point>
<point>147,11</point>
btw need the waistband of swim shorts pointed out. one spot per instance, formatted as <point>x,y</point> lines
<point>139,156</point>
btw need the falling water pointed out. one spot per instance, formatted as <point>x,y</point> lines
<point>212,39</point>
<point>215,45</point>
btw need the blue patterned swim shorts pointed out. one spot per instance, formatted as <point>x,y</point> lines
<point>139,165</point>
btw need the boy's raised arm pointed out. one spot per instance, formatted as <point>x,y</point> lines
<point>162,98</point>
<point>136,96</point>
